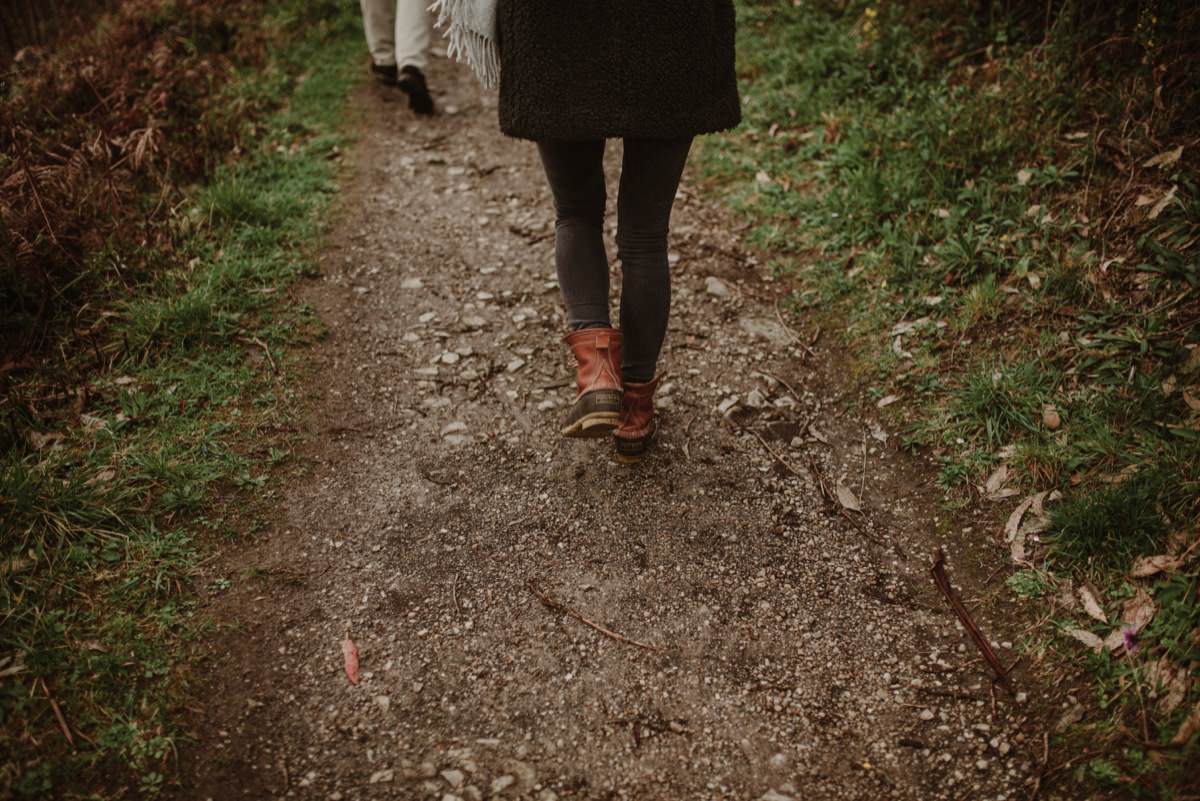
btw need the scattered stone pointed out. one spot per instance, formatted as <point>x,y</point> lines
<point>502,783</point>
<point>427,316</point>
<point>716,287</point>
<point>382,776</point>
<point>514,365</point>
<point>454,778</point>
<point>727,404</point>
<point>383,702</point>
<point>455,427</point>
<point>755,399</point>
<point>926,714</point>
<point>766,328</point>
<point>412,283</point>
<point>474,322</point>
<point>450,357</point>
<point>771,795</point>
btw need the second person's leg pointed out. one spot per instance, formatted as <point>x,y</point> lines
<point>414,27</point>
<point>413,30</point>
<point>379,23</point>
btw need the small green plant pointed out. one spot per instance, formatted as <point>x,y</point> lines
<point>1028,584</point>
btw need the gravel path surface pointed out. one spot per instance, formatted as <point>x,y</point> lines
<point>786,650</point>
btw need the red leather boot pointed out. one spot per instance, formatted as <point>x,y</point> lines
<point>637,425</point>
<point>597,406</point>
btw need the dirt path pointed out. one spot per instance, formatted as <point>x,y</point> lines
<point>801,657</point>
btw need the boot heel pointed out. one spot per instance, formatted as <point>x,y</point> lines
<point>594,414</point>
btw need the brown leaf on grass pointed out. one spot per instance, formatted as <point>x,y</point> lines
<point>1159,204</point>
<point>1146,566</point>
<point>1014,533</point>
<point>1088,639</point>
<point>847,498</point>
<point>1168,684</point>
<point>1091,605</point>
<point>1190,726</point>
<point>996,480</point>
<point>39,440</point>
<point>350,659</point>
<point>1191,400</point>
<point>1165,159</point>
<point>885,401</point>
<point>1139,610</point>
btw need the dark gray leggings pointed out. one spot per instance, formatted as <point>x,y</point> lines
<point>649,177</point>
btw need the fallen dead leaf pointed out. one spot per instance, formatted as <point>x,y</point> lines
<point>1023,177</point>
<point>1162,203</point>
<point>1091,605</point>
<point>1190,726</point>
<point>847,498</point>
<point>39,440</point>
<point>1145,566</point>
<point>996,480</point>
<point>1139,610</point>
<point>1191,400</point>
<point>1088,639</point>
<point>887,400</point>
<point>1165,159</point>
<point>350,658</point>
<point>1168,683</point>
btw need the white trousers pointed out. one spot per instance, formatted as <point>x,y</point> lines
<point>398,31</point>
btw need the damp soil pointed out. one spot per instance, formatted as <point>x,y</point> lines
<point>760,641</point>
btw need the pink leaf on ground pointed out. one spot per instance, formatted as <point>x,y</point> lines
<point>350,656</point>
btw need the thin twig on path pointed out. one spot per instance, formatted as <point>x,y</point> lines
<point>1037,782</point>
<point>779,316</point>
<point>58,714</point>
<point>768,449</point>
<point>938,570</point>
<point>550,602</point>
<point>795,395</point>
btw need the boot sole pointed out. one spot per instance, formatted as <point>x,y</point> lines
<point>632,451</point>
<point>592,426</point>
<point>594,414</point>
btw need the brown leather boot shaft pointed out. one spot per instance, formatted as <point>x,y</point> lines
<point>598,358</point>
<point>637,410</point>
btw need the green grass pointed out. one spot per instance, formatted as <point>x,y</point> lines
<point>105,517</point>
<point>913,174</point>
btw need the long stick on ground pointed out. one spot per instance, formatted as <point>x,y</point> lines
<point>550,602</point>
<point>943,583</point>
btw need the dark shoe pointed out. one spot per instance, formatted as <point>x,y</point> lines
<point>637,425</point>
<point>412,83</point>
<point>386,74</point>
<point>597,404</point>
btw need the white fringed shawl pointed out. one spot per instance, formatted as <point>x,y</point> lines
<point>471,28</point>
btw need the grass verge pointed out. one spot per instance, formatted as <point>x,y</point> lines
<point>1007,236</point>
<point>114,489</point>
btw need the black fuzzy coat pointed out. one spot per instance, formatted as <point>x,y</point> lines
<point>592,69</point>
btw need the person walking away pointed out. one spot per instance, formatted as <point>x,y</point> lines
<point>572,74</point>
<point>398,34</point>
